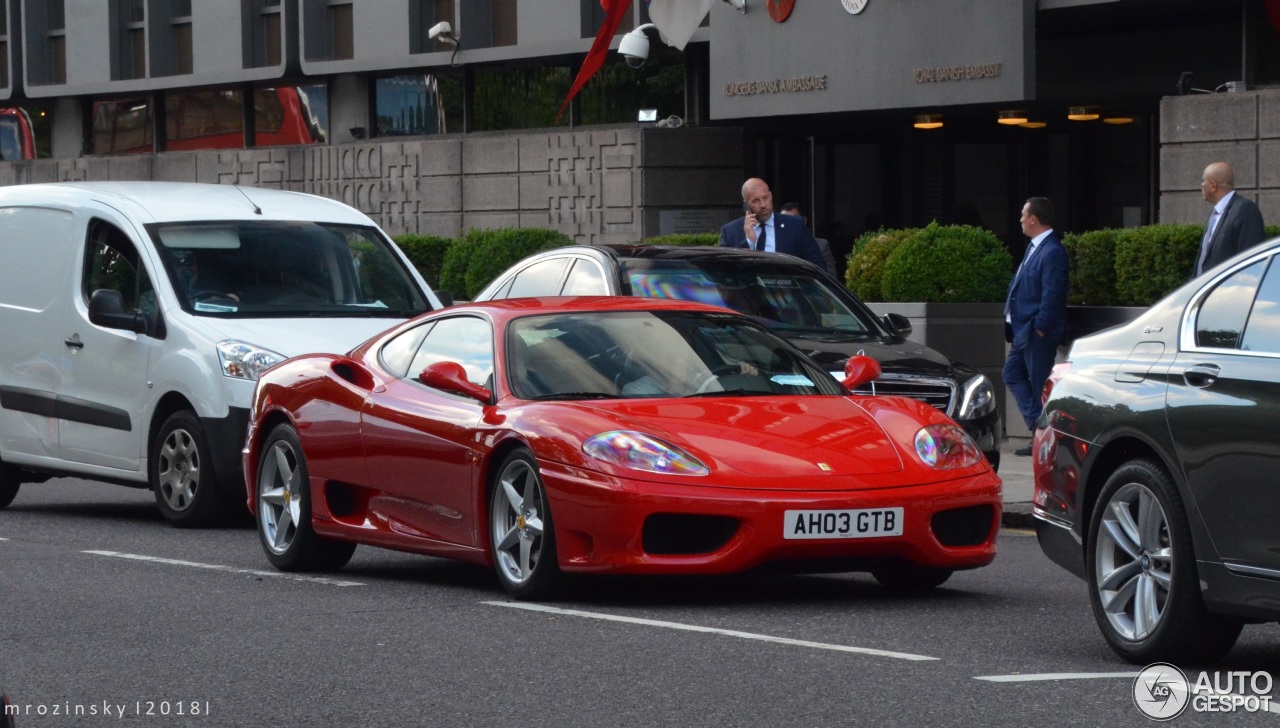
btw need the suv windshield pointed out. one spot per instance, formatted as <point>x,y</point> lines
<point>255,269</point>
<point>787,301</point>
<point>655,354</point>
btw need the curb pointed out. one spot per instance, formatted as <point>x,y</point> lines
<point>1018,515</point>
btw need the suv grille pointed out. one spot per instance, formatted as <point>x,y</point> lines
<point>936,392</point>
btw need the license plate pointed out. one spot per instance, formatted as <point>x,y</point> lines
<point>860,523</point>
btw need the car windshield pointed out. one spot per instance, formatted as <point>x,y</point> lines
<point>255,269</point>
<point>787,301</point>
<point>634,354</point>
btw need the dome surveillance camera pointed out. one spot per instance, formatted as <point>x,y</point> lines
<point>634,48</point>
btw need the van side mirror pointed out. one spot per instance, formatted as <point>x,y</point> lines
<point>897,324</point>
<point>106,309</point>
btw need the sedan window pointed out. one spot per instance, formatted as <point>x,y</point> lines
<point>465,339</point>
<point>1262,333</point>
<point>1221,319</point>
<point>585,279</point>
<point>539,279</point>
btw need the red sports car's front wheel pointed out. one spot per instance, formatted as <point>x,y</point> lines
<point>520,532</point>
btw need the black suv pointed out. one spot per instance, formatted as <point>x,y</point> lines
<point>795,299</point>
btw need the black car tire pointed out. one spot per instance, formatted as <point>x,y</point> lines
<point>912,578</point>
<point>520,521</point>
<point>283,497</point>
<point>1184,631</point>
<point>9,483</point>
<point>182,477</point>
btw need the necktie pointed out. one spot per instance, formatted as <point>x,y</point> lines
<point>1026,255</point>
<point>1204,244</point>
<point>760,237</point>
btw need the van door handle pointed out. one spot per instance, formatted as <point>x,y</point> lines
<point>74,341</point>
<point>1201,375</point>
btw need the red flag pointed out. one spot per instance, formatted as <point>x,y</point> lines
<point>1273,12</point>
<point>614,10</point>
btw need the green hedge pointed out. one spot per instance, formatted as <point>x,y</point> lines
<point>479,256</point>
<point>1152,261</point>
<point>1093,267</point>
<point>948,263</point>
<point>864,273</point>
<point>427,253</point>
<point>690,239</point>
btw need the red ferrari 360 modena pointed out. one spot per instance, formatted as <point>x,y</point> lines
<point>609,435</point>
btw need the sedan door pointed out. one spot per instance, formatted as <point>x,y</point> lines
<point>420,443</point>
<point>1224,410</point>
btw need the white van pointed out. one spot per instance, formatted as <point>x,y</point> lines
<point>135,318</point>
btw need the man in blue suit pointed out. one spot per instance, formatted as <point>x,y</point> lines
<point>760,229</point>
<point>1035,312</point>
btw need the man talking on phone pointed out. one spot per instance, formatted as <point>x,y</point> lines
<point>761,229</point>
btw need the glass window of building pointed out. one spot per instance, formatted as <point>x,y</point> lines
<point>180,28</point>
<point>617,92</point>
<point>488,23</point>
<point>593,15</point>
<point>204,120</point>
<point>47,53</point>
<point>519,97</point>
<point>131,39</point>
<point>263,47</point>
<point>122,126</point>
<point>288,115</point>
<point>419,104</point>
<point>4,45</point>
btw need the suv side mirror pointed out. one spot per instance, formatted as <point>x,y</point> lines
<point>106,309</point>
<point>897,324</point>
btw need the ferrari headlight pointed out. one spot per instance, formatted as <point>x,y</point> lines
<point>639,451</point>
<point>245,361</point>
<point>977,398</point>
<point>946,447</point>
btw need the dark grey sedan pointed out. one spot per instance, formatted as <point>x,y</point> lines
<point>1157,466</point>
<point>793,298</point>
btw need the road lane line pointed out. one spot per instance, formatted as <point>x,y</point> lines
<point>231,569</point>
<point>712,630</point>
<point>1046,676</point>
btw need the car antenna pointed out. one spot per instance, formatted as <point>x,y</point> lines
<point>256,210</point>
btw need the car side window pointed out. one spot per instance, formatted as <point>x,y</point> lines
<point>540,279</point>
<point>1262,332</point>
<point>1220,321</point>
<point>467,340</point>
<point>112,262</point>
<point>398,353</point>
<point>585,279</point>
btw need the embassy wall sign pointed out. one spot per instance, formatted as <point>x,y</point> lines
<point>834,56</point>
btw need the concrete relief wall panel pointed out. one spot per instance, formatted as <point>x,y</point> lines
<point>1269,205</point>
<point>175,167</point>
<point>1182,165</point>
<point>1269,164</point>
<point>499,192</point>
<point>1208,118</point>
<point>128,168</point>
<point>1183,207</point>
<point>440,157</point>
<point>1269,115</point>
<point>491,155</point>
<point>490,220</point>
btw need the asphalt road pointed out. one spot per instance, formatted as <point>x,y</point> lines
<point>103,604</point>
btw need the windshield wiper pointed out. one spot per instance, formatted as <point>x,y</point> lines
<point>727,393</point>
<point>575,395</point>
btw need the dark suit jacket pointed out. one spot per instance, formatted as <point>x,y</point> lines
<point>1239,229</point>
<point>790,237</point>
<point>1038,295</point>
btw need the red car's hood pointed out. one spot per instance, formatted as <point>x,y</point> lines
<point>810,443</point>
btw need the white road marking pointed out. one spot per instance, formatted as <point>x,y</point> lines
<point>1045,676</point>
<point>231,569</point>
<point>712,630</point>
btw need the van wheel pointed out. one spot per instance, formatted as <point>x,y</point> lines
<point>182,474</point>
<point>9,482</point>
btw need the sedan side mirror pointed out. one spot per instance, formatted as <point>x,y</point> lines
<point>859,370</point>
<point>106,309</point>
<point>897,324</point>
<point>449,376</point>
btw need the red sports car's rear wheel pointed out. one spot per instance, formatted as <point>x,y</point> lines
<point>284,509</point>
<point>520,532</point>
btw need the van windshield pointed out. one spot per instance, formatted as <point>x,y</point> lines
<point>256,269</point>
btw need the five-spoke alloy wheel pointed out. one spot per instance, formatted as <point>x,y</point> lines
<point>284,509</point>
<point>520,532</point>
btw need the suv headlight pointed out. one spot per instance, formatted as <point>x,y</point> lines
<point>245,361</point>
<point>977,398</point>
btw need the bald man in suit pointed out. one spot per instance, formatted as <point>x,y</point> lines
<point>1235,223</point>
<point>761,229</point>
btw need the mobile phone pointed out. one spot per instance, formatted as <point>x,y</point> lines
<point>746,209</point>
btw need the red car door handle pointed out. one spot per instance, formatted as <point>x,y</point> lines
<point>1201,375</point>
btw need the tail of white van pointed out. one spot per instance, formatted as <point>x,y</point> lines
<point>138,316</point>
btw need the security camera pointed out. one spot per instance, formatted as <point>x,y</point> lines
<point>634,46</point>
<point>441,29</point>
